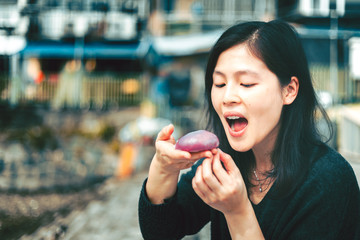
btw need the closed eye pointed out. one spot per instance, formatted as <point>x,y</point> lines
<point>220,85</point>
<point>247,85</point>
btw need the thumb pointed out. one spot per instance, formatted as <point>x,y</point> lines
<point>165,133</point>
<point>228,162</point>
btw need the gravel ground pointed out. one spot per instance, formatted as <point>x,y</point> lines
<point>112,217</point>
<point>22,213</point>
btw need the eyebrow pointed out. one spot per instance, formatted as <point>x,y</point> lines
<point>240,72</point>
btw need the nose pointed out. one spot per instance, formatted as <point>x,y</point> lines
<point>231,95</point>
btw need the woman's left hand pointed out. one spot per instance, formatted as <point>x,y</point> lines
<point>222,188</point>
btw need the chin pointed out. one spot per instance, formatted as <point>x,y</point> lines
<point>237,145</point>
<point>239,149</point>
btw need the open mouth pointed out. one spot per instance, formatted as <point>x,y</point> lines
<point>237,123</point>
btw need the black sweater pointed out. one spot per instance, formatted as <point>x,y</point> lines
<point>325,206</point>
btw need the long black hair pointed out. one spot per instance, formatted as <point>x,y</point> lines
<point>278,45</point>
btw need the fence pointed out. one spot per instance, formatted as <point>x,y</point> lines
<point>99,91</point>
<point>94,91</point>
<point>347,90</point>
<point>350,133</point>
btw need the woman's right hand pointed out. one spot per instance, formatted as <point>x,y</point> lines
<point>171,160</point>
<point>166,166</point>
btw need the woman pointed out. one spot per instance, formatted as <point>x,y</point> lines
<point>272,177</point>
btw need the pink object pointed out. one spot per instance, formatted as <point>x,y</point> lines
<point>197,141</point>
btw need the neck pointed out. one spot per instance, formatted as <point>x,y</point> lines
<point>260,178</point>
<point>263,151</point>
<point>263,161</point>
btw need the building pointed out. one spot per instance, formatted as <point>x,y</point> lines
<point>122,35</point>
<point>50,33</point>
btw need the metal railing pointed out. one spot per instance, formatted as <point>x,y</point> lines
<point>349,141</point>
<point>95,91</point>
<point>348,89</point>
<point>98,91</point>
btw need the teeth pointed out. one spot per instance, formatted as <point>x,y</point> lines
<point>233,117</point>
<point>232,122</point>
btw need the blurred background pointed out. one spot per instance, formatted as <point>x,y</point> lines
<point>85,86</point>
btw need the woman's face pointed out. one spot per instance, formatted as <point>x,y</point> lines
<point>248,98</point>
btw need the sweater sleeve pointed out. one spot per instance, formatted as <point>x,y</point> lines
<point>183,214</point>
<point>327,206</point>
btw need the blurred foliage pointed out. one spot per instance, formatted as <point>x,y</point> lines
<point>38,138</point>
<point>107,133</point>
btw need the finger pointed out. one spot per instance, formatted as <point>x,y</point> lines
<point>214,151</point>
<point>218,169</point>
<point>197,182</point>
<point>229,163</point>
<point>172,139</point>
<point>165,133</point>
<point>208,176</point>
<point>193,157</point>
<point>164,149</point>
<point>198,155</point>
<point>182,155</point>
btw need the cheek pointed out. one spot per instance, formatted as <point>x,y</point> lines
<point>271,109</point>
<point>267,108</point>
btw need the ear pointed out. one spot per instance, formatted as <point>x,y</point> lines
<point>290,91</point>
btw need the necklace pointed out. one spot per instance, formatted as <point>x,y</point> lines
<point>258,180</point>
